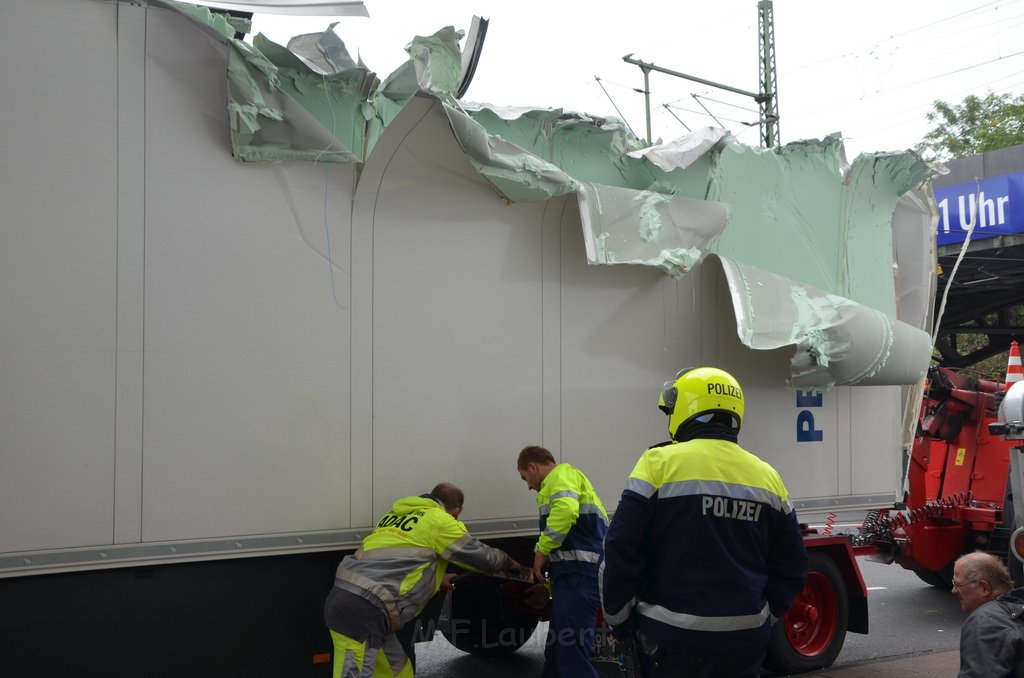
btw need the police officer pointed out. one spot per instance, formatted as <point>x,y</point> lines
<point>573,523</point>
<point>392,577</point>
<point>704,550</point>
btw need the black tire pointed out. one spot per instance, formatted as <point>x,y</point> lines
<point>933,579</point>
<point>943,579</point>
<point>487,618</point>
<point>812,633</point>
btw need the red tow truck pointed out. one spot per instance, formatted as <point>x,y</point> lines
<point>958,497</point>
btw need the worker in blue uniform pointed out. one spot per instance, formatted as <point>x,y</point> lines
<point>573,523</point>
<point>704,551</point>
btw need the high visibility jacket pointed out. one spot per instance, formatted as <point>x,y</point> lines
<point>573,521</point>
<point>705,540</point>
<point>401,564</point>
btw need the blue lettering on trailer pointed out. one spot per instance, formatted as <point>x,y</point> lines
<point>805,431</point>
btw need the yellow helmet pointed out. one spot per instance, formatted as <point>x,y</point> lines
<point>694,392</point>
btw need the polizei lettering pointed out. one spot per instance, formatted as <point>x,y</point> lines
<point>728,390</point>
<point>737,509</point>
<point>403,523</point>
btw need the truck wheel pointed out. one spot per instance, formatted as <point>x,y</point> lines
<point>811,634</point>
<point>1016,570</point>
<point>942,579</point>
<point>487,617</point>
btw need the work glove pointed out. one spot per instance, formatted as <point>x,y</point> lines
<point>537,596</point>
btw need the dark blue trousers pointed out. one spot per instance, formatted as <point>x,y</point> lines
<point>574,604</point>
<point>707,654</point>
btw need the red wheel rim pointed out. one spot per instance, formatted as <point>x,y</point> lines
<point>811,622</point>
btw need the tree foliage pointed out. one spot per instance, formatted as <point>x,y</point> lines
<point>974,126</point>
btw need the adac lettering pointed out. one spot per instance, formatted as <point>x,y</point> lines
<point>402,522</point>
<point>728,390</point>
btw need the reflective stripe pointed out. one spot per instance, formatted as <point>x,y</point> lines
<point>474,554</point>
<point>695,622</point>
<point>416,552</point>
<point>554,535</point>
<point>376,589</point>
<point>616,618</point>
<point>622,616</point>
<point>581,556</point>
<point>456,546</point>
<point>717,488</point>
<point>584,508</point>
<point>641,487</point>
<point>571,515</point>
<point>404,571</point>
<point>419,592</point>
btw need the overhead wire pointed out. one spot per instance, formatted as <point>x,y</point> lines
<point>703,113</point>
<point>923,109</point>
<point>615,106</point>
<point>969,46</point>
<point>726,103</point>
<point>890,90</point>
<point>995,5</point>
<point>706,110</point>
<point>680,120</point>
<point>966,68</point>
<point>875,44</point>
<point>919,109</point>
<point>1007,24</point>
<point>870,46</point>
<point>957,16</point>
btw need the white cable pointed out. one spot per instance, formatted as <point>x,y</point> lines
<point>956,266</point>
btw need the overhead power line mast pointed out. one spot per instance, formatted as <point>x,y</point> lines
<point>768,103</point>
<point>767,99</point>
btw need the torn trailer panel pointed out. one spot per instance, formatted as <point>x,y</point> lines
<point>800,212</point>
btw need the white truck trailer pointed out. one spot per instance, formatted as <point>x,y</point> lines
<point>246,302</point>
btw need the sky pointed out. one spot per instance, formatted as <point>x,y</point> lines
<point>869,70</point>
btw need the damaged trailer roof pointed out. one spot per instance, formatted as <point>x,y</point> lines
<point>833,258</point>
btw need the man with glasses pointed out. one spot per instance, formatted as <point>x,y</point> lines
<point>992,636</point>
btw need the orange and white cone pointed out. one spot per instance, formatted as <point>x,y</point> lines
<point>1014,372</point>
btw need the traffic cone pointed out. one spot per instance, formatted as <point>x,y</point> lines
<point>1014,372</point>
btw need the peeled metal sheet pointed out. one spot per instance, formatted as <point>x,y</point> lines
<point>626,226</point>
<point>291,7</point>
<point>836,340</point>
<point>820,254</point>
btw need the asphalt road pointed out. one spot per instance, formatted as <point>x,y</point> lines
<point>907,618</point>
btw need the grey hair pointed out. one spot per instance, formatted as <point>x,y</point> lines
<point>980,565</point>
